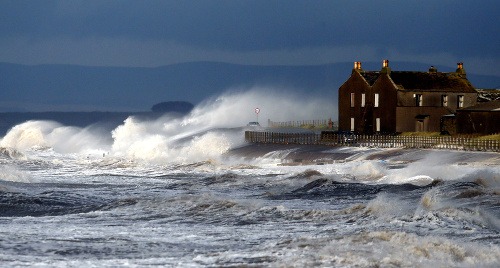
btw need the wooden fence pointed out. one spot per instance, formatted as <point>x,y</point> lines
<point>381,141</point>
<point>300,123</point>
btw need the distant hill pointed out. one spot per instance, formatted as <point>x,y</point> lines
<point>182,107</point>
<point>84,88</point>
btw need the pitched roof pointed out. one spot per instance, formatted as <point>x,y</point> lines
<point>370,77</point>
<point>485,106</point>
<point>425,81</point>
<point>451,82</point>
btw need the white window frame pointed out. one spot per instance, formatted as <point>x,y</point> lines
<point>419,100</point>
<point>352,123</point>
<point>377,124</point>
<point>460,100</point>
<point>376,100</point>
<point>444,100</point>
<point>363,99</point>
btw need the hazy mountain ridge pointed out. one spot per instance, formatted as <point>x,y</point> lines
<point>86,88</point>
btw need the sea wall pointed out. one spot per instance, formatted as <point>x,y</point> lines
<point>381,141</point>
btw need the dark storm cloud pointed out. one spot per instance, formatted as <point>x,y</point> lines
<point>457,28</point>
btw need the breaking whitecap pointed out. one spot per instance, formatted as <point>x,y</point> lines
<point>169,193</point>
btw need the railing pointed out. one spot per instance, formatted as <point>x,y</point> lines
<point>282,138</point>
<point>381,141</point>
<point>300,123</point>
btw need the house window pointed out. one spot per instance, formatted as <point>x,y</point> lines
<point>460,101</point>
<point>352,99</point>
<point>418,100</point>
<point>376,100</point>
<point>444,100</point>
<point>363,100</point>
<point>377,124</point>
<point>352,123</point>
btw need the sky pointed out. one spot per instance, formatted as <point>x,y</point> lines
<point>150,33</point>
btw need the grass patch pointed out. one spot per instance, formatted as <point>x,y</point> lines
<point>490,137</point>
<point>437,134</point>
<point>421,134</point>
<point>314,127</point>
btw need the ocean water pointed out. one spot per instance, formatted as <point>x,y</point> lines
<point>188,192</point>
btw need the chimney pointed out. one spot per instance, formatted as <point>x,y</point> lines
<point>385,67</point>
<point>460,69</point>
<point>357,65</point>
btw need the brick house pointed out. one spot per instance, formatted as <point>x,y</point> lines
<point>389,101</point>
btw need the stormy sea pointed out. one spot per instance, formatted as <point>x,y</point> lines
<point>189,192</point>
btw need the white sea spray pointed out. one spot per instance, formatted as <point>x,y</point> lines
<point>168,192</point>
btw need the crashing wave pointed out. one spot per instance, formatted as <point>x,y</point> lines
<point>10,153</point>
